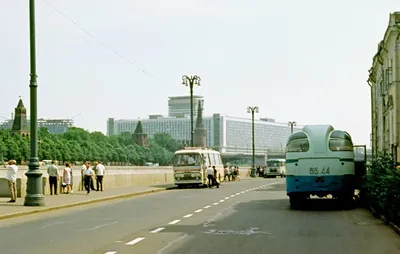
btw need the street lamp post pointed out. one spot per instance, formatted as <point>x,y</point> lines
<point>291,124</point>
<point>191,81</point>
<point>253,110</point>
<point>34,192</point>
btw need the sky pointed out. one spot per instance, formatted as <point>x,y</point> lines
<point>305,61</point>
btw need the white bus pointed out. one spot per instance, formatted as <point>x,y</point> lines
<point>190,164</point>
<point>275,167</point>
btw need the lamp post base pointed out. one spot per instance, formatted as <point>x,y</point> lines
<point>253,172</point>
<point>34,196</point>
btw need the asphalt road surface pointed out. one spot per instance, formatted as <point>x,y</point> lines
<point>251,216</point>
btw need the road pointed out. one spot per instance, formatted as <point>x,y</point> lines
<point>251,216</point>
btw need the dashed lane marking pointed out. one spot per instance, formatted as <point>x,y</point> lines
<point>174,222</point>
<point>135,241</point>
<point>207,206</point>
<point>110,252</point>
<point>198,210</point>
<point>188,215</point>
<point>157,230</point>
<point>216,203</point>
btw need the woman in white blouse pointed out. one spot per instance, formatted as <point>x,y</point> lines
<point>67,177</point>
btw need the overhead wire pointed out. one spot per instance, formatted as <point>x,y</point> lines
<point>99,41</point>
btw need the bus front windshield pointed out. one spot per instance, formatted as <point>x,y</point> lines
<point>192,159</point>
<point>273,163</point>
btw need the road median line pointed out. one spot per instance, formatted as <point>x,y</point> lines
<point>79,203</point>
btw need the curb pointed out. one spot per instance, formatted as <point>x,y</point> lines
<point>86,202</point>
<point>385,220</point>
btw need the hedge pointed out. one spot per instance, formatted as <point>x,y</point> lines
<point>380,189</point>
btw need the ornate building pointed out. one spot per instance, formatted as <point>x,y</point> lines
<point>139,137</point>
<point>20,123</point>
<point>200,133</point>
<point>384,80</point>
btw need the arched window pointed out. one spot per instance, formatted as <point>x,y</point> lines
<point>298,142</point>
<point>340,141</point>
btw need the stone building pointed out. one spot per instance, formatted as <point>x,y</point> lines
<point>200,132</point>
<point>384,81</point>
<point>139,137</point>
<point>20,123</point>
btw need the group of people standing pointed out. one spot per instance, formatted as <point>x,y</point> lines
<point>232,173</point>
<point>87,174</point>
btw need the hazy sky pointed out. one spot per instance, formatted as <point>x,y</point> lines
<point>297,60</point>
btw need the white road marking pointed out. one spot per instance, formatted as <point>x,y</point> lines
<point>232,196</point>
<point>110,252</point>
<point>242,192</point>
<point>99,226</point>
<point>54,224</point>
<point>216,203</point>
<point>135,241</point>
<point>207,206</point>
<point>188,215</point>
<point>198,210</point>
<point>238,193</point>
<point>221,200</point>
<point>227,198</point>
<point>157,230</point>
<point>174,222</point>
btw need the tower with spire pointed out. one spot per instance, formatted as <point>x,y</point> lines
<point>200,132</point>
<point>139,137</point>
<point>20,123</point>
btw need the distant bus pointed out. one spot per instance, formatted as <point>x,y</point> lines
<point>190,164</point>
<point>275,167</point>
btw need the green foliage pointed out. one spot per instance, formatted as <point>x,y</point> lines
<point>79,145</point>
<point>381,188</point>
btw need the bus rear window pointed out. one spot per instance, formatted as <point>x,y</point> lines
<point>299,145</point>
<point>340,144</point>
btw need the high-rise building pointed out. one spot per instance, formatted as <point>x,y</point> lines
<point>179,106</point>
<point>225,133</point>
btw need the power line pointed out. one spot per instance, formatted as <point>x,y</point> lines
<point>98,40</point>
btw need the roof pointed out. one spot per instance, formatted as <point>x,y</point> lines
<point>139,128</point>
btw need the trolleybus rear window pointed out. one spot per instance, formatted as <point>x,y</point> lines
<point>298,142</point>
<point>340,141</point>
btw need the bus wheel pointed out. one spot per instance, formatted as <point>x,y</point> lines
<point>296,201</point>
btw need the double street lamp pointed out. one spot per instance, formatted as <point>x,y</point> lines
<point>34,192</point>
<point>191,81</point>
<point>291,124</point>
<point>253,110</point>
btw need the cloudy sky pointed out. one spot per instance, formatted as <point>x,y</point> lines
<point>297,60</point>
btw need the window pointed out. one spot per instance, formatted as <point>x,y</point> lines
<point>300,145</point>
<point>192,159</point>
<point>339,144</point>
<point>298,142</point>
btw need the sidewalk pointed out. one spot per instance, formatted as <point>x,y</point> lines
<point>54,202</point>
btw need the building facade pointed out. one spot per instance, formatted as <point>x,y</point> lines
<point>179,106</point>
<point>384,77</point>
<point>224,133</point>
<point>55,126</point>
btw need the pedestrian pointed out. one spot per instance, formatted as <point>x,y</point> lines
<point>52,171</point>
<point>67,178</point>
<point>210,176</point>
<point>11,176</point>
<point>88,173</point>
<point>215,182</point>
<point>100,170</point>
